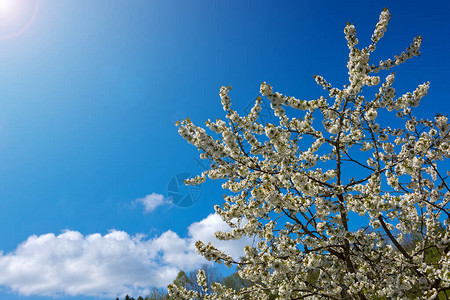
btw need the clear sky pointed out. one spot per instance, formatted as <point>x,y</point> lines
<point>89,94</point>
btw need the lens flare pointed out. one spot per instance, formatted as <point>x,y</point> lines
<point>6,7</point>
<point>16,16</point>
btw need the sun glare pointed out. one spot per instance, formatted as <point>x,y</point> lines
<point>16,16</point>
<point>6,7</point>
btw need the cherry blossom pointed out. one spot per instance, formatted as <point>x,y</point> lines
<point>295,186</point>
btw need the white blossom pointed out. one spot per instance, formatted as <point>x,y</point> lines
<point>302,179</point>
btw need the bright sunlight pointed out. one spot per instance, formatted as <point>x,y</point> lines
<point>16,16</point>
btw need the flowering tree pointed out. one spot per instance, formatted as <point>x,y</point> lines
<point>296,186</point>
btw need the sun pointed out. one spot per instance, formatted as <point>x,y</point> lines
<point>6,7</point>
<point>16,16</point>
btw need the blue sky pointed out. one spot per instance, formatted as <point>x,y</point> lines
<point>89,94</point>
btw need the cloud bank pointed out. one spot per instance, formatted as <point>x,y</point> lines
<point>107,265</point>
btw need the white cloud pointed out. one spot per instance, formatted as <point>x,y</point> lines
<point>152,201</point>
<point>107,265</point>
<point>205,229</point>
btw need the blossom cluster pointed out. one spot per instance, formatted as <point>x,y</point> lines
<point>296,185</point>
